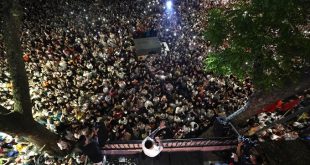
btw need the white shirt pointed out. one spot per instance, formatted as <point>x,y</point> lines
<point>154,151</point>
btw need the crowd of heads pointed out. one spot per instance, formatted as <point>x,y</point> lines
<point>83,69</point>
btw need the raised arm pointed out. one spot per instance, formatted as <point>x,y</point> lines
<point>161,126</point>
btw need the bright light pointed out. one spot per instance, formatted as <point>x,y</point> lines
<point>169,5</point>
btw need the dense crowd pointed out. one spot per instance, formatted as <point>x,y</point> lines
<point>83,69</point>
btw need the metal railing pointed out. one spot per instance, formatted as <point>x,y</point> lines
<point>171,145</point>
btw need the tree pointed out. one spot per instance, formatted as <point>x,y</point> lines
<point>285,152</point>
<point>266,41</point>
<point>20,121</point>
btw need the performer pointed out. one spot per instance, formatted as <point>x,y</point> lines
<point>150,146</point>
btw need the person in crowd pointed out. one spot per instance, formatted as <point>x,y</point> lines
<point>246,156</point>
<point>90,147</point>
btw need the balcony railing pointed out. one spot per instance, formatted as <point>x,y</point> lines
<point>172,145</point>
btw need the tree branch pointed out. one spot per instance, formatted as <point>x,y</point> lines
<point>261,99</point>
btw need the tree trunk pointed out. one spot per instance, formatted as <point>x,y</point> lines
<point>40,136</point>
<point>11,36</point>
<point>20,120</point>
<point>10,123</point>
<point>285,152</point>
<point>14,123</point>
<point>261,99</point>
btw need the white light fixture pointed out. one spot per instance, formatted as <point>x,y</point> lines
<point>169,5</point>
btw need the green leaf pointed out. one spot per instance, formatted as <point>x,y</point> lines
<point>267,33</point>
